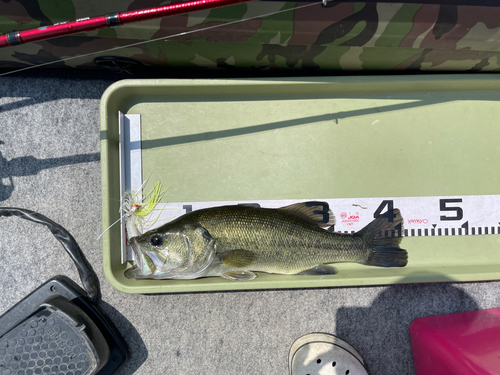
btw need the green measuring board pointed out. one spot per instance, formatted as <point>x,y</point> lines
<point>426,142</point>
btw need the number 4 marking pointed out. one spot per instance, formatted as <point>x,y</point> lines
<point>389,215</point>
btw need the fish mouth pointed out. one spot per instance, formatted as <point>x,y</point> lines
<point>146,262</point>
<point>132,272</point>
<point>150,264</point>
<point>137,254</point>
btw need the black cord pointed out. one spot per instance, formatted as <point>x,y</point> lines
<point>87,275</point>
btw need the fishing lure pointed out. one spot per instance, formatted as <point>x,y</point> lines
<point>136,208</point>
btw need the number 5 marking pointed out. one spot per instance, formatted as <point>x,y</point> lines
<point>458,210</point>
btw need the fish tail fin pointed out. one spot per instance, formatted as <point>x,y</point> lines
<point>382,238</point>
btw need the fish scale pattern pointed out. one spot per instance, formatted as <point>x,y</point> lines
<point>278,237</point>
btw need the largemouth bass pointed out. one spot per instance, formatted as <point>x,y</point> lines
<point>234,241</point>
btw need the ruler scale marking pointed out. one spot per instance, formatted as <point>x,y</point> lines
<point>422,216</point>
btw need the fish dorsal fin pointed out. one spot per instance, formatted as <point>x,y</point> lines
<point>317,213</point>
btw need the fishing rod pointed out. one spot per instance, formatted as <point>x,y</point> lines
<point>172,36</point>
<point>109,20</point>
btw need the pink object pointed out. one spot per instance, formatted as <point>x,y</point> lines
<point>456,344</point>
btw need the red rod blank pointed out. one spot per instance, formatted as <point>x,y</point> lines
<point>109,20</point>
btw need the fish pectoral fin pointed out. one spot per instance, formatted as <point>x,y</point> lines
<point>317,213</point>
<point>239,275</point>
<point>322,269</point>
<point>237,258</point>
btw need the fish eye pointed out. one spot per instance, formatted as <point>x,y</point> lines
<point>156,240</point>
